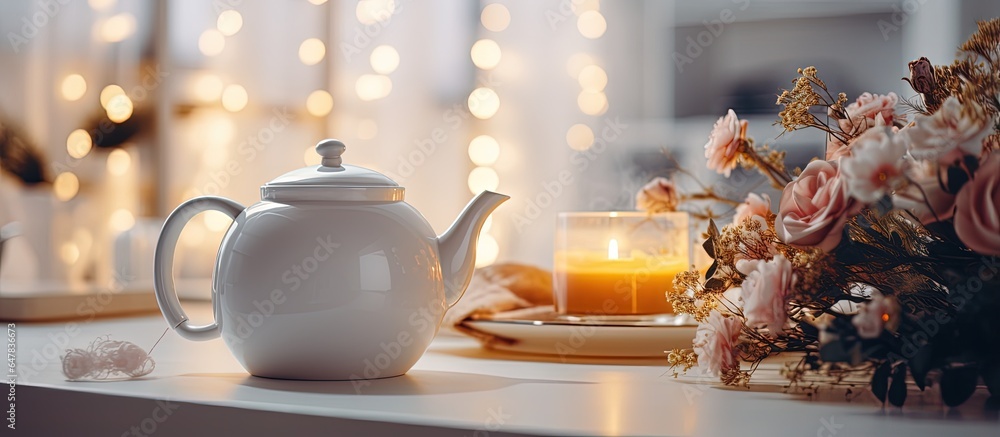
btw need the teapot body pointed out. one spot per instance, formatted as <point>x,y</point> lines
<point>329,290</point>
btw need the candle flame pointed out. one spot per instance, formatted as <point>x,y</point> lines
<point>613,249</point>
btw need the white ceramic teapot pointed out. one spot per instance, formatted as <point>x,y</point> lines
<point>330,276</point>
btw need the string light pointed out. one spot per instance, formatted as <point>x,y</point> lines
<point>65,186</point>
<point>372,87</point>
<point>121,220</point>
<point>69,253</point>
<point>229,22</point>
<point>118,27</point>
<point>592,103</point>
<point>374,11</point>
<point>579,137</point>
<point>208,88</point>
<point>483,179</point>
<point>384,59</point>
<point>211,42</point>
<point>487,250</point>
<point>119,162</point>
<point>591,24</point>
<point>486,54</point>
<point>79,143</point>
<point>311,51</point>
<point>593,78</point>
<point>484,103</point>
<point>108,92</point>
<point>216,221</point>
<point>234,98</point>
<point>495,17</point>
<point>484,150</point>
<point>310,157</point>
<point>73,87</point>
<point>100,5</point>
<point>319,103</point>
<point>119,108</point>
<point>581,6</point>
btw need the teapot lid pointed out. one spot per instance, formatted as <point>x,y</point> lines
<point>332,180</point>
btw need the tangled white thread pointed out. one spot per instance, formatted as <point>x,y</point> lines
<point>106,358</point>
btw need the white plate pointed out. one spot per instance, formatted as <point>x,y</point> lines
<point>541,331</point>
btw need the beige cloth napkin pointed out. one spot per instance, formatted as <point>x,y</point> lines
<point>496,289</point>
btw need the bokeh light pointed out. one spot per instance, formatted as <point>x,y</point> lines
<point>593,78</point>
<point>234,98</point>
<point>118,27</point>
<point>73,87</point>
<point>100,5</point>
<point>211,42</point>
<point>119,108</point>
<point>484,103</point>
<point>119,162</point>
<point>121,220</point>
<point>208,88</point>
<point>69,252</point>
<point>217,221</point>
<point>65,186</point>
<point>484,150</point>
<point>592,103</point>
<point>319,103</point>
<point>311,51</point>
<point>591,24</point>
<point>372,87</point>
<point>487,250</point>
<point>486,54</point>
<point>374,11</point>
<point>579,137</point>
<point>79,143</point>
<point>108,92</point>
<point>384,59</point>
<point>495,17</point>
<point>229,22</point>
<point>483,179</point>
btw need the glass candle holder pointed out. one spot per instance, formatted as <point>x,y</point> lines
<point>618,263</point>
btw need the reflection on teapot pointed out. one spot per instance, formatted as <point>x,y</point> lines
<point>330,276</point>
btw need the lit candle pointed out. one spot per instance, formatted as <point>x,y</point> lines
<point>631,270</point>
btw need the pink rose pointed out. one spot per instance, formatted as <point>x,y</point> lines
<point>875,166</point>
<point>924,190</point>
<point>836,149</point>
<point>948,134</point>
<point>715,343</point>
<point>862,114</point>
<point>977,212</point>
<point>754,205</point>
<point>765,292</point>
<point>876,315</point>
<point>659,195</point>
<point>815,207</point>
<point>724,143</point>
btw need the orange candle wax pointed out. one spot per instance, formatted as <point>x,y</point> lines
<point>602,283</point>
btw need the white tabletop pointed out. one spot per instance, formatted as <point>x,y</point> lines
<point>459,387</point>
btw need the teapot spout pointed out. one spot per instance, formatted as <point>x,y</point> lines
<point>457,245</point>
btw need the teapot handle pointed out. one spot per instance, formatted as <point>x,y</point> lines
<point>163,266</point>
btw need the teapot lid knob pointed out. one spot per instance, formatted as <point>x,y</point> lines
<point>331,150</point>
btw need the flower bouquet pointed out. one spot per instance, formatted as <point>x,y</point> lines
<point>884,256</point>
